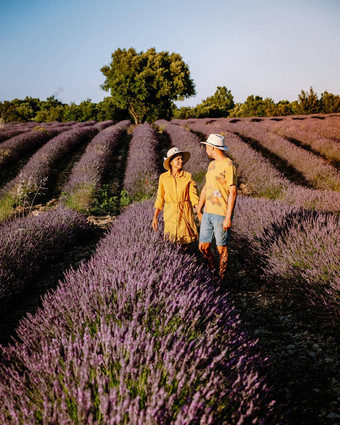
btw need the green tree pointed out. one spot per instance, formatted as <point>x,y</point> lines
<point>88,110</point>
<point>308,102</point>
<point>184,113</point>
<point>218,105</point>
<point>146,83</point>
<point>51,109</point>
<point>7,112</point>
<point>24,110</point>
<point>254,106</point>
<point>284,107</point>
<point>329,103</point>
<point>72,112</point>
<point>108,111</point>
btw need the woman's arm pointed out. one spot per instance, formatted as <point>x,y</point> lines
<point>155,219</point>
<point>202,202</point>
<point>158,206</point>
<point>193,195</point>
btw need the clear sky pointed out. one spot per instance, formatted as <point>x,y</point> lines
<point>269,48</point>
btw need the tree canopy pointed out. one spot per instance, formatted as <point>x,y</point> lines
<point>147,83</point>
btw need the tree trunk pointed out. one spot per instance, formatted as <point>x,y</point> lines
<point>134,115</point>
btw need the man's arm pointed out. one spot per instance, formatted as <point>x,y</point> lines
<point>230,207</point>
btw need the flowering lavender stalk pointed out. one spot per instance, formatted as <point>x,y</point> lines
<point>186,140</point>
<point>88,173</point>
<point>257,176</point>
<point>135,336</point>
<point>141,174</point>
<point>29,244</point>
<point>35,175</point>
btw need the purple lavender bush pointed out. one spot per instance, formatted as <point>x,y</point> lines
<point>141,174</point>
<point>35,176</point>
<point>301,253</point>
<point>103,124</point>
<point>16,147</point>
<point>9,133</point>
<point>309,134</point>
<point>29,244</point>
<point>136,336</point>
<point>318,172</point>
<point>85,124</point>
<point>87,175</point>
<point>295,250</point>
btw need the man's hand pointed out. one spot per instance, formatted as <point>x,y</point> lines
<point>226,223</point>
<point>199,215</point>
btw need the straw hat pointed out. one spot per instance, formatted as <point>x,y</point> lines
<point>171,153</point>
<point>217,141</point>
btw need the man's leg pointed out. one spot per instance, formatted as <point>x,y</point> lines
<point>205,248</point>
<point>223,251</point>
<point>205,239</point>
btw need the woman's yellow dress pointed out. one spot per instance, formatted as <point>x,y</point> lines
<point>178,195</point>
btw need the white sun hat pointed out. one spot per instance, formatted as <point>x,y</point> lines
<point>171,153</point>
<point>217,141</point>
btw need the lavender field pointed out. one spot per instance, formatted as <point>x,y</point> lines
<point>104,322</point>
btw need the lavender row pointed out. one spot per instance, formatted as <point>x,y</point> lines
<point>88,173</point>
<point>319,173</point>
<point>84,124</point>
<point>297,251</point>
<point>309,137</point>
<point>8,134</point>
<point>18,126</point>
<point>326,128</point>
<point>103,124</point>
<point>16,147</point>
<point>141,174</point>
<point>34,176</point>
<point>186,140</point>
<point>258,177</point>
<point>29,244</point>
<point>136,336</point>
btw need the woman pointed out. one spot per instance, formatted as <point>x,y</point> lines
<point>177,193</point>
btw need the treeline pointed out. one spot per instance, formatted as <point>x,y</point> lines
<point>51,109</point>
<point>221,104</point>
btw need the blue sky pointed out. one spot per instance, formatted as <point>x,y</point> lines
<point>268,48</point>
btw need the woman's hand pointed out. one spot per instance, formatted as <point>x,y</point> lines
<point>155,223</point>
<point>199,212</point>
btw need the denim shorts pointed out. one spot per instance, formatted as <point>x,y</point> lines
<point>212,226</point>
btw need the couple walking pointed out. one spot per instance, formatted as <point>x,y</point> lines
<point>177,194</point>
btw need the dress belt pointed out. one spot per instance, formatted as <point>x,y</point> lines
<point>179,202</point>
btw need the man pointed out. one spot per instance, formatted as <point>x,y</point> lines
<point>218,197</point>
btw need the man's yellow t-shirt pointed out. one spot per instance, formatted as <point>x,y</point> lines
<point>220,176</point>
